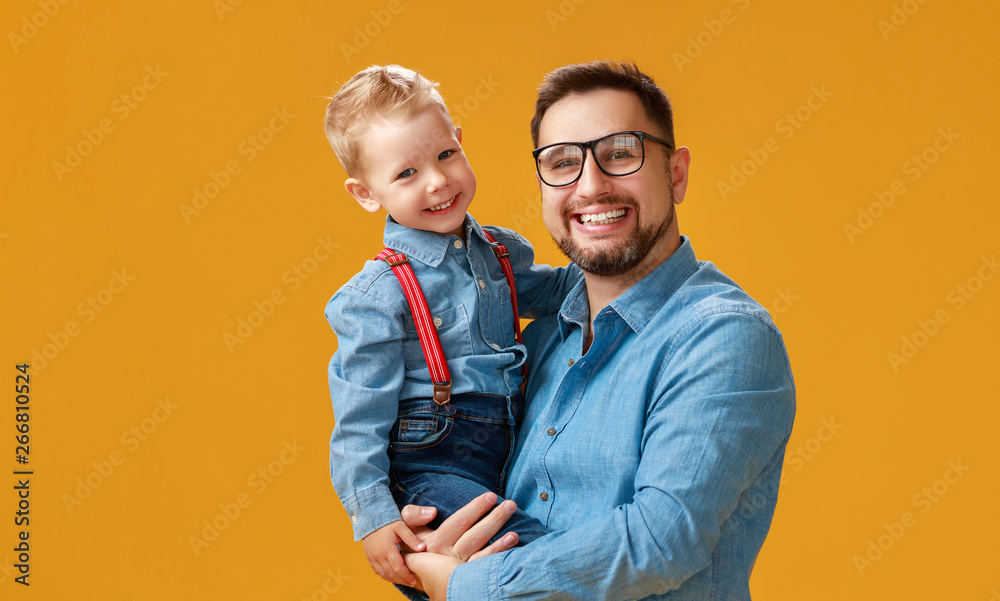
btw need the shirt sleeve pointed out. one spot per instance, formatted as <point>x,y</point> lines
<point>366,375</point>
<point>541,289</point>
<point>715,423</point>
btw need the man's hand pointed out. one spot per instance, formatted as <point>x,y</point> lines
<point>459,539</point>
<point>383,553</point>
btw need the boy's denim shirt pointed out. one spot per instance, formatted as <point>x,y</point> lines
<point>655,457</point>
<point>379,360</point>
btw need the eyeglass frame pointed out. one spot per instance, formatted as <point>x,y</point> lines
<point>591,145</point>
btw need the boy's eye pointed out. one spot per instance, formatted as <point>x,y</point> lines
<point>407,173</point>
<point>445,154</point>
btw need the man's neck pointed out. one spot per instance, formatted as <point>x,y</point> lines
<point>601,290</point>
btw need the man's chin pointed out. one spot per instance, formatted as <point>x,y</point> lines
<point>607,261</point>
<point>605,257</point>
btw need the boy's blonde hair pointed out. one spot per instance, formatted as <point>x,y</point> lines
<point>387,91</point>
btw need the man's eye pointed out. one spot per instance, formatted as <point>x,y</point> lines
<point>566,163</point>
<point>408,173</point>
<point>445,154</point>
<point>620,154</point>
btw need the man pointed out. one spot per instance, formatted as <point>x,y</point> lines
<point>661,398</point>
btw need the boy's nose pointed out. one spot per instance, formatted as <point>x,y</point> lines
<point>436,180</point>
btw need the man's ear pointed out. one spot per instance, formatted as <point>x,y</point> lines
<point>458,133</point>
<point>680,163</point>
<point>362,194</point>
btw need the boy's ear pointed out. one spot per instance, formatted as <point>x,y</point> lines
<point>362,194</point>
<point>458,133</point>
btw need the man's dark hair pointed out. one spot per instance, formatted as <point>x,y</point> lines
<point>600,75</point>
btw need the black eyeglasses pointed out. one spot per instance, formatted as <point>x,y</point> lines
<point>617,154</point>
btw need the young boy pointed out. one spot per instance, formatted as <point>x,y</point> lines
<point>401,436</point>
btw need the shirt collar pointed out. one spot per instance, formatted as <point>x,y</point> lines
<point>429,248</point>
<point>642,300</point>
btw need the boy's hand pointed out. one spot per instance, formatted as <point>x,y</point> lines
<point>383,553</point>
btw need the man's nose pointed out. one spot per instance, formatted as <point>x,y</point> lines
<point>593,182</point>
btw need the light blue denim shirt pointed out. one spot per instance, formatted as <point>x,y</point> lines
<point>379,360</point>
<point>655,457</point>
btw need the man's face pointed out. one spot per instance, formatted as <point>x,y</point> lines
<point>608,225</point>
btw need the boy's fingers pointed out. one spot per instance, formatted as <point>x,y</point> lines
<point>509,541</point>
<point>480,534</point>
<point>411,540</point>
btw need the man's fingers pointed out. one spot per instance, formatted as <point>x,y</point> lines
<point>509,541</point>
<point>477,536</point>
<point>461,521</point>
<point>415,516</point>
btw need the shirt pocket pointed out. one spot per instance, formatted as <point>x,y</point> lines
<point>453,330</point>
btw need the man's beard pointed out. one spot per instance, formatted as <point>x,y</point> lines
<point>623,257</point>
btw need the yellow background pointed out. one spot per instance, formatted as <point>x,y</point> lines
<point>843,300</point>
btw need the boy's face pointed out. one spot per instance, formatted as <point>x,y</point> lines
<point>416,170</point>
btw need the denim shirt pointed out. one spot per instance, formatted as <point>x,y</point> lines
<point>379,360</point>
<point>654,457</point>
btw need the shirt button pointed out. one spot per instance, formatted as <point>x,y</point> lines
<point>495,345</point>
<point>544,496</point>
<point>458,244</point>
<point>482,284</point>
<point>571,362</point>
<point>437,321</point>
<point>551,431</point>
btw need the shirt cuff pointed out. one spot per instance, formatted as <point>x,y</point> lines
<point>370,509</point>
<point>476,580</point>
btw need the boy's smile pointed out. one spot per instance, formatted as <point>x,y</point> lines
<point>415,169</point>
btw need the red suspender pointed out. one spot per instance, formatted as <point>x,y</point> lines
<point>501,252</point>
<point>426,332</point>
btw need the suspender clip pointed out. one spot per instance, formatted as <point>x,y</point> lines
<point>442,393</point>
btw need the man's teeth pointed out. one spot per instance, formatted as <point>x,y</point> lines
<point>603,218</point>
<point>444,205</point>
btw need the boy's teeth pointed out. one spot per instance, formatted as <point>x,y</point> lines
<point>603,218</point>
<point>443,205</point>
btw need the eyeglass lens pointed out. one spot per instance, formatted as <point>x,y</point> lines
<point>619,154</point>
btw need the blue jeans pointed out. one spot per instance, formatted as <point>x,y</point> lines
<point>447,456</point>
